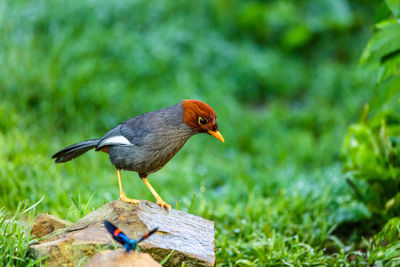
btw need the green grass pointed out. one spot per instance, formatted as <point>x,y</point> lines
<point>284,99</point>
<point>15,238</point>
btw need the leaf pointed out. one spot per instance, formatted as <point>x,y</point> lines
<point>390,232</point>
<point>382,12</point>
<point>244,262</point>
<point>384,42</point>
<point>167,257</point>
<point>389,69</point>
<point>394,6</point>
<point>192,203</point>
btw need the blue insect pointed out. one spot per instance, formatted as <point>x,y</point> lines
<point>118,235</point>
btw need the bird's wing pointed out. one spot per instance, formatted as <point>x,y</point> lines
<point>113,137</point>
<point>136,129</point>
<point>133,131</point>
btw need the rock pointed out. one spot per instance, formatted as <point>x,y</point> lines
<point>46,224</point>
<point>121,258</point>
<point>190,237</point>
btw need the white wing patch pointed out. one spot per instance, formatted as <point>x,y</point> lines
<point>115,140</point>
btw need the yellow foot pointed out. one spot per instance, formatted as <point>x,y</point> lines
<point>163,204</point>
<point>128,200</point>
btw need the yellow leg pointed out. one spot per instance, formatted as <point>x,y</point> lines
<point>160,201</point>
<point>122,195</point>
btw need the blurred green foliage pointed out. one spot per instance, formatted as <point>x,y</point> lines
<point>386,250</point>
<point>371,149</point>
<point>371,156</point>
<point>282,76</point>
<point>15,238</point>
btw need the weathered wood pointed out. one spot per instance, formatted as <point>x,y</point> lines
<point>45,224</point>
<point>191,237</point>
<point>121,258</point>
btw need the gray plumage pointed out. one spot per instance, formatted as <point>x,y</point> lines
<point>143,144</point>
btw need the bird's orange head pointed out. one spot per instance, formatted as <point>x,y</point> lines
<point>201,118</point>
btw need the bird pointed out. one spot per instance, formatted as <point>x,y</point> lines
<point>145,143</point>
<point>119,236</point>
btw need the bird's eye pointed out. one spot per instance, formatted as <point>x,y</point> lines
<point>202,121</point>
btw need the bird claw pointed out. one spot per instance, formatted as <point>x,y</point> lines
<point>163,204</point>
<point>128,200</point>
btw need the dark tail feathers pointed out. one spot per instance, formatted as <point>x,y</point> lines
<point>75,150</point>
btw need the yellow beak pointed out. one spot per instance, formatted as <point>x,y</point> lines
<point>217,135</point>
